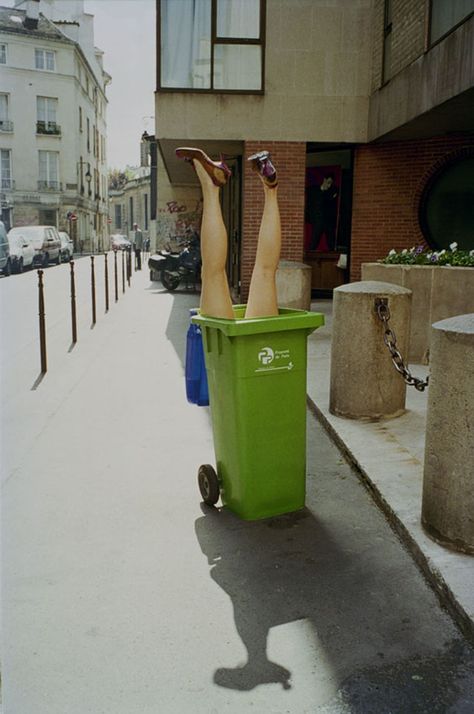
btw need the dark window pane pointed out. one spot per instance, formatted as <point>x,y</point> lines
<point>447,213</point>
<point>445,14</point>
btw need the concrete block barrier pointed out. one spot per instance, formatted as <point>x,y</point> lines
<point>364,383</point>
<point>448,477</point>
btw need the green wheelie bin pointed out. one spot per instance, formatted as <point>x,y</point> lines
<point>256,370</point>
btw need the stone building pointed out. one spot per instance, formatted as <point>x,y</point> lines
<point>53,120</point>
<point>374,95</point>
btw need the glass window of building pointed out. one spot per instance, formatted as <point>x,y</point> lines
<point>6,168</point>
<point>48,169</point>
<point>212,45</point>
<point>447,206</point>
<point>3,54</point>
<point>446,15</point>
<point>45,59</point>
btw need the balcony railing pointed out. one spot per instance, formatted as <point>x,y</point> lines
<point>6,125</point>
<point>48,127</point>
<point>7,184</point>
<point>49,186</point>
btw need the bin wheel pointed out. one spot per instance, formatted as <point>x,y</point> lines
<point>208,484</point>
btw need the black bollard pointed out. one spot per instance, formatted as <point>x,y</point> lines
<point>129,266</point>
<point>106,282</point>
<point>115,276</point>
<point>93,290</point>
<point>42,323</point>
<point>123,272</point>
<point>73,304</point>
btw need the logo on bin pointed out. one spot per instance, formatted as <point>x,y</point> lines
<point>266,355</point>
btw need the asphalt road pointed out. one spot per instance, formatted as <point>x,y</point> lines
<point>122,594</point>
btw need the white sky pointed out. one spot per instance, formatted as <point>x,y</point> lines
<point>125,31</point>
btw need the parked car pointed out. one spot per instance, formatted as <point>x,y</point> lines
<point>46,243</point>
<point>120,242</point>
<point>67,246</point>
<point>22,252</point>
<point>5,260</point>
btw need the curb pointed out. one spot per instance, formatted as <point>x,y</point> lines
<point>431,574</point>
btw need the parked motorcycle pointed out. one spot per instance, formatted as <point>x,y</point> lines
<point>173,268</point>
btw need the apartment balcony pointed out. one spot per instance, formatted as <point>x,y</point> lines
<point>48,127</point>
<point>6,126</point>
<point>7,184</point>
<point>49,186</point>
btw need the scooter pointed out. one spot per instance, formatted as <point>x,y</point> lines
<point>176,267</point>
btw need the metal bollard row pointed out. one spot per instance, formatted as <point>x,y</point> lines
<point>72,278</point>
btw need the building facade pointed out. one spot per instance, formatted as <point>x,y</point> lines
<point>362,104</point>
<point>53,123</point>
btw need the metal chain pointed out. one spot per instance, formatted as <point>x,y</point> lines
<point>390,339</point>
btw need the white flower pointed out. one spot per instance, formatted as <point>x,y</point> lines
<point>392,252</point>
<point>453,246</point>
<point>404,251</point>
<point>441,252</point>
<point>471,253</point>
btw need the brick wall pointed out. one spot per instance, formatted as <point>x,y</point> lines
<point>290,161</point>
<point>388,183</point>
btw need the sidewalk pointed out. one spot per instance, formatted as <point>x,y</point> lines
<point>390,454</point>
<point>122,595</point>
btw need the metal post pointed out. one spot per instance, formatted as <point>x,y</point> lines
<point>93,290</point>
<point>42,324</point>
<point>73,304</point>
<point>129,266</point>
<point>106,281</point>
<point>123,272</point>
<point>115,276</point>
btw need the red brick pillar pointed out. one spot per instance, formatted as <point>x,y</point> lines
<point>290,161</point>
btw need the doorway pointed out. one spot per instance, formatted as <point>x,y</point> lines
<point>231,211</point>
<point>328,211</point>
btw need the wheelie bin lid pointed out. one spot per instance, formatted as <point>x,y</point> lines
<point>287,319</point>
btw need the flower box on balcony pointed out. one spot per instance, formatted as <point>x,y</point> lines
<point>438,292</point>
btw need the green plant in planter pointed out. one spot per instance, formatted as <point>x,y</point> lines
<point>425,256</point>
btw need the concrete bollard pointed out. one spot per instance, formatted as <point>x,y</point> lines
<point>364,383</point>
<point>448,481</point>
<point>293,284</point>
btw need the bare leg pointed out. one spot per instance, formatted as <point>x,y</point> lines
<point>262,300</point>
<point>215,294</point>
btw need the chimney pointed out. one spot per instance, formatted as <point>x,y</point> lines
<point>32,14</point>
<point>144,149</point>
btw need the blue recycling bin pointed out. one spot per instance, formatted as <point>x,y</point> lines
<point>197,391</point>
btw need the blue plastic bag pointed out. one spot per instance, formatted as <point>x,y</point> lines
<point>196,378</point>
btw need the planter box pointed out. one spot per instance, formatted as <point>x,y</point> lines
<point>438,293</point>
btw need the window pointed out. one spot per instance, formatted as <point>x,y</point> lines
<point>212,45</point>
<point>44,59</point>
<point>3,54</point>
<point>145,210</point>
<point>118,215</point>
<point>80,119</point>
<point>81,174</point>
<point>88,135</point>
<point>387,42</point>
<point>46,111</point>
<point>131,218</point>
<point>48,170</point>
<point>5,168</point>
<point>445,16</point>
<point>5,124</point>
<point>447,205</point>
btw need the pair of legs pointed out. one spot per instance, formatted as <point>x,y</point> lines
<point>215,294</point>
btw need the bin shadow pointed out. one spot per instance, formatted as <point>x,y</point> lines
<point>296,567</point>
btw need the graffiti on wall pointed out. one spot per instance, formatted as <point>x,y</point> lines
<point>175,219</point>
